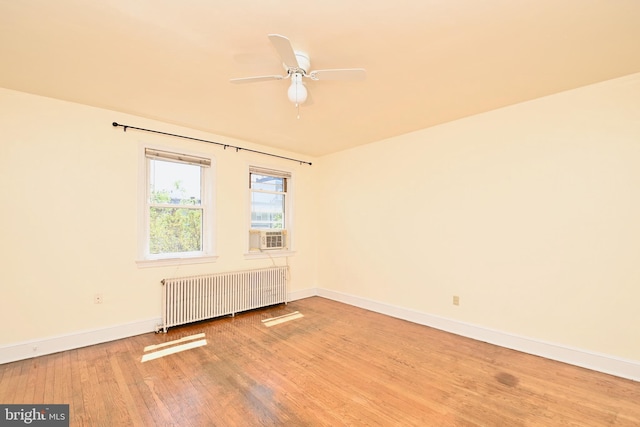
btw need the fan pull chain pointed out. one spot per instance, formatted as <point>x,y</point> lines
<point>297,103</point>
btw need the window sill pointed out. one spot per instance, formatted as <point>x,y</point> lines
<point>163,262</point>
<point>268,254</point>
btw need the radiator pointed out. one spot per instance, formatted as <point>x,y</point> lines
<point>190,299</point>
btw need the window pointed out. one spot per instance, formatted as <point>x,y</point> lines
<point>178,197</point>
<point>270,216</point>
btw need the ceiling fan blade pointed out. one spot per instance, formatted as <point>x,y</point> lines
<point>339,74</point>
<point>285,50</point>
<point>255,79</point>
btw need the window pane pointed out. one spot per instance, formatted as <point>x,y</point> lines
<point>267,210</point>
<point>175,230</point>
<point>175,183</point>
<point>267,183</point>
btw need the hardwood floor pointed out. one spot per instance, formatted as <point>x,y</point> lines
<point>337,365</point>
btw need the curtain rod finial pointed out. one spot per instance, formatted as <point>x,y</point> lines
<point>115,124</point>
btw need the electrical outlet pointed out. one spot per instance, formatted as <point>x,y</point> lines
<point>97,299</point>
<point>456,300</point>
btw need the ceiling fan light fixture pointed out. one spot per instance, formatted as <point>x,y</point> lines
<point>297,92</point>
<point>297,65</point>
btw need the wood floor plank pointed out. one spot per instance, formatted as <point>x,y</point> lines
<point>335,365</point>
<point>9,380</point>
<point>50,378</point>
<point>74,379</point>
<point>27,382</point>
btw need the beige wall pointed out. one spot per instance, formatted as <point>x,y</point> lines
<point>69,218</point>
<point>530,214</point>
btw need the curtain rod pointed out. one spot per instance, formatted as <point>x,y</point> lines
<point>225,146</point>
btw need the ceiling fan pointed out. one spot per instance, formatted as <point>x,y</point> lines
<point>297,65</point>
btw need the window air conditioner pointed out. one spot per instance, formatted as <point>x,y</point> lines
<point>267,239</point>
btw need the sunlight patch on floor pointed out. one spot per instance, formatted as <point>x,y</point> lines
<point>281,319</point>
<point>165,344</point>
<point>175,349</point>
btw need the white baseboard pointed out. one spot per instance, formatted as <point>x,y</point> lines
<point>598,362</point>
<point>608,364</point>
<point>305,293</point>
<point>40,347</point>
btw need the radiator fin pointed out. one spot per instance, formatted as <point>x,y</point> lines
<point>195,298</point>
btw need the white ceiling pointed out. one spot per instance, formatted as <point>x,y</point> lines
<point>427,61</point>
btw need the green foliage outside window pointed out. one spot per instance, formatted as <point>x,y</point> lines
<point>174,229</point>
<point>277,221</point>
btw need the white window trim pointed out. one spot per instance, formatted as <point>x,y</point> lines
<point>289,214</point>
<point>268,254</point>
<point>208,254</point>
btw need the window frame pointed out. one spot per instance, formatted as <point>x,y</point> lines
<point>288,223</point>
<point>207,179</point>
